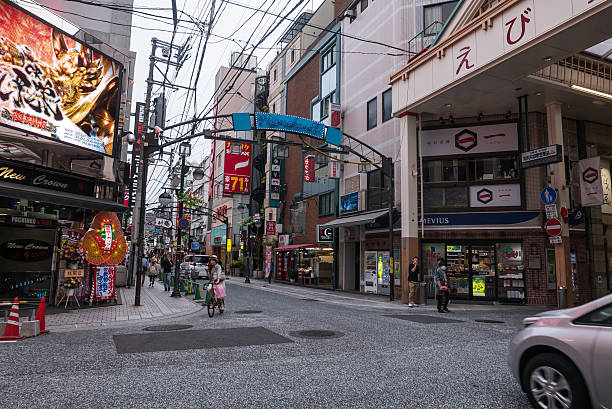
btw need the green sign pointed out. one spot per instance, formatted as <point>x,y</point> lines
<point>478,286</point>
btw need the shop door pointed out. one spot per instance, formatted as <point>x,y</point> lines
<point>483,272</point>
<point>458,270</point>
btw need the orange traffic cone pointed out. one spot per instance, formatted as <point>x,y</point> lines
<point>11,333</point>
<point>40,316</point>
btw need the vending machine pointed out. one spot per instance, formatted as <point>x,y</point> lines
<point>369,272</point>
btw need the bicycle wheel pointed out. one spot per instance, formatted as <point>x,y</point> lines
<point>211,307</point>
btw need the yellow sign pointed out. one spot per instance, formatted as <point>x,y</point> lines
<point>478,286</point>
<point>229,245</point>
<point>74,273</point>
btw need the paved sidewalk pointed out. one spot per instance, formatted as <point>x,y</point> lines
<point>155,304</point>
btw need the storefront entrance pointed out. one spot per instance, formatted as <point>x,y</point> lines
<point>479,270</point>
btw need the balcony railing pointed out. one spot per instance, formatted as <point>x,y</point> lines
<point>581,71</point>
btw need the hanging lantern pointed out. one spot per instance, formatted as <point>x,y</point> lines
<point>104,242</point>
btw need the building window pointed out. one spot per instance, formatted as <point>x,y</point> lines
<point>387,105</point>
<point>274,75</point>
<point>377,196</point>
<point>329,58</point>
<point>325,105</point>
<point>326,204</point>
<point>435,15</point>
<point>292,56</point>
<point>372,113</point>
<point>273,108</point>
<point>364,5</point>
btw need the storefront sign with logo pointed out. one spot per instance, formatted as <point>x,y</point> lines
<point>325,234</point>
<point>495,195</point>
<point>39,177</point>
<point>541,156</point>
<point>163,223</point>
<point>591,189</point>
<point>478,286</point>
<point>270,228</point>
<point>64,90</point>
<point>335,115</point>
<point>237,168</point>
<point>26,250</point>
<point>483,220</point>
<point>469,140</point>
<point>29,221</point>
<point>349,203</point>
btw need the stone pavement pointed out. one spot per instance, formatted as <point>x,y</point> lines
<point>155,304</point>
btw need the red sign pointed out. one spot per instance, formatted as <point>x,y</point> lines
<point>335,115</point>
<point>309,169</point>
<point>270,228</point>
<point>237,170</point>
<point>553,227</point>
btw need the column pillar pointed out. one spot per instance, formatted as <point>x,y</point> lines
<point>554,121</point>
<point>409,204</point>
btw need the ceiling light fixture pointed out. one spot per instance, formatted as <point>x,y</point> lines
<point>547,59</point>
<point>539,93</point>
<point>592,91</point>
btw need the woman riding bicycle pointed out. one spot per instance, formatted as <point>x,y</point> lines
<point>217,277</point>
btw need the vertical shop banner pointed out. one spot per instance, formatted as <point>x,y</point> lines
<point>333,168</point>
<point>237,168</point>
<point>268,261</point>
<point>270,228</point>
<point>104,285</point>
<point>309,169</point>
<point>591,189</point>
<point>607,187</point>
<point>55,86</point>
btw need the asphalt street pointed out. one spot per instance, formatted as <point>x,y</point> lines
<point>379,355</point>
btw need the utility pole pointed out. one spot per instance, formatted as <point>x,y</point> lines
<point>387,168</point>
<point>179,234</point>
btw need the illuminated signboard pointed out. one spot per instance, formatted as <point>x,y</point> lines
<point>54,86</point>
<point>237,169</point>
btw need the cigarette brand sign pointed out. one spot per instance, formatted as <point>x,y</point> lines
<point>466,140</point>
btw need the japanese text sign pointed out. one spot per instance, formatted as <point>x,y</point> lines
<point>237,169</point>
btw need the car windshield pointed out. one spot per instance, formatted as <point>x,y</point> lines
<point>200,259</point>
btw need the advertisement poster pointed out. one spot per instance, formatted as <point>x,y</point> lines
<point>607,187</point>
<point>478,286</point>
<point>349,203</point>
<point>104,286</point>
<point>237,168</point>
<point>591,189</point>
<point>268,261</point>
<point>54,86</point>
<point>469,140</point>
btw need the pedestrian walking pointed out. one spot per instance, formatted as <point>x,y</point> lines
<point>166,266</point>
<point>152,272</point>
<point>145,267</point>
<point>218,278</point>
<point>414,278</point>
<point>271,272</point>
<point>441,280</point>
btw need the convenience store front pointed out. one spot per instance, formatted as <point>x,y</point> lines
<point>479,269</point>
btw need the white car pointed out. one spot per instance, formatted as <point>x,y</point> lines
<point>195,266</point>
<point>563,358</point>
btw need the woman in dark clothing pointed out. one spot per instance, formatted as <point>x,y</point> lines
<point>166,265</point>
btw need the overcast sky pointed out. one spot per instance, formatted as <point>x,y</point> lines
<point>234,21</point>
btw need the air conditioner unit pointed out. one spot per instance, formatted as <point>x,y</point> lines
<point>351,13</point>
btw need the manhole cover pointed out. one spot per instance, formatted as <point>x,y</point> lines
<point>490,321</point>
<point>423,319</point>
<point>316,333</point>
<point>176,327</point>
<point>249,312</point>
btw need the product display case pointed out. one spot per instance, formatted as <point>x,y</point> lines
<point>458,270</point>
<point>483,271</point>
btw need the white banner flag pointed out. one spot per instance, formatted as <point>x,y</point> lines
<point>591,190</point>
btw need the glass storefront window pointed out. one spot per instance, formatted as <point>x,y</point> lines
<point>483,271</point>
<point>510,267</point>
<point>458,270</point>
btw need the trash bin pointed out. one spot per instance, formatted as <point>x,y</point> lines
<point>423,293</point>
<point>562,297</point>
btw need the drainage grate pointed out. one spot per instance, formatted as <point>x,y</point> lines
<point>490,321</point>
<point>316,333</point>
<point>248,312</point>
<point>423,319</point>
<point>175,327</point>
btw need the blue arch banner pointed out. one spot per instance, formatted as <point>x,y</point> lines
<point>288,123</point>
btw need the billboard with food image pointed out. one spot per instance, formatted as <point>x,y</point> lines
<point>54,86</point>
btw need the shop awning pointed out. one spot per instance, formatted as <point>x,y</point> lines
<point>363,218</point>
<point>295,247</point>
<point>61,198</point>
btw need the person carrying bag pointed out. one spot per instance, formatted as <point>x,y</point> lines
<point>152,273</point>
<point>218,278</point>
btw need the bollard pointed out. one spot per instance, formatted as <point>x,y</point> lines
<point>562,297</point>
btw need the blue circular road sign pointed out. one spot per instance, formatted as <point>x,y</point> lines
<point>548,195</point>
<point>183,224</point>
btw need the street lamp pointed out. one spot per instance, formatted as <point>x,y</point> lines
<point>184,150</point>
<point>198,174</point>
<point>165,199</point>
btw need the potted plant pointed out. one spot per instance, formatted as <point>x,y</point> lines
<point>237,266</point>
<point>70,285</point>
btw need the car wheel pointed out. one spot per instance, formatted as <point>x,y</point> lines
<point>553,381</point>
